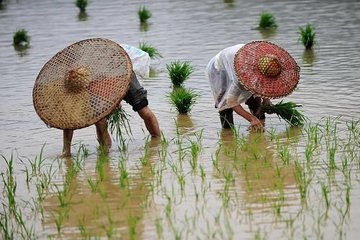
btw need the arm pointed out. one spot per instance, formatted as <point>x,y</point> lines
<point>256,124</point>
<point>150,120</point>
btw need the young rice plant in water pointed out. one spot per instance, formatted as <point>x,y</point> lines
<point>307,36</point>
<point>183,99</point>
<point>21,38</point>
<point>81,4</point>
<point>144,14</point>
<point>267,20</point>
<point>153,52</point>
<point>179,72</point>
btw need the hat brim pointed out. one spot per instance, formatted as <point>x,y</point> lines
<point>246,63</point>
<point>110,71</point>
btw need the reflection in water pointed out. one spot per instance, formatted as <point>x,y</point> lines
<point>262,177</point>
<point>83,16</point>
<point>308,56</point>
<point>184,124</point>
<point>267,34</point>
<point>110,205</point>
<point>21,50</point>
<point>144,27</point>
<point>229,3</point>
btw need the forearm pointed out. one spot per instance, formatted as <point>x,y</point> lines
<point>150,120</point>
<point>243,113</point>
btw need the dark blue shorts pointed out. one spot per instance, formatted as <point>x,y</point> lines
<point>136,96</point>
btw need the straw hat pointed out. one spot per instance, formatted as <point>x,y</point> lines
<point>82,83</point>
<point>266,70</point>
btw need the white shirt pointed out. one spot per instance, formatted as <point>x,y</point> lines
<point>225,86</point>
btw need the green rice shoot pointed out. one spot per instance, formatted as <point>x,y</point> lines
<point>144,14</point>
<point>288,112</point>
<point>307,36</point>
<point>179,72</point>
<point>82,4</point>
<point>183,99</point>
<point>153,52</point>
<point>118,123</point>
<point>267,20</point>
<point>21,38</point>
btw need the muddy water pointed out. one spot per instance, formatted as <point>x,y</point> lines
<point>180,30</point>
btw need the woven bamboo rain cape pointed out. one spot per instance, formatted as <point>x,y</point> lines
<point>82,83</point>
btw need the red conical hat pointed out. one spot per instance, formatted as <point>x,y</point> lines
<point>266,70</point>
<point>82,83</point>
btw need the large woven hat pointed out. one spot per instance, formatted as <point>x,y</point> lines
<point>266,70</point>
<point>82,83</point>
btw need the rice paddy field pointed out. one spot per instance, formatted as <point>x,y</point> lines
<point>197,181</point>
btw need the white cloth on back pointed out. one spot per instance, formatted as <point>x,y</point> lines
<point>225,86</point>
<point>140,60</point>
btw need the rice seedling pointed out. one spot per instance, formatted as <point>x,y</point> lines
<point>94,185</point>
<point>179,72</point>
<point>21,38</point>
<point>287,111</point>
<point>81,4</point>
<point>303,180</point>
<point>144,14</point>
<point>183,99</point>
<point>117,120</point>
<point>152,51</point>
<point>285,155</point>
<point>307,36</point>
<point>124,174</point>
<point>325,192</point>
<point>267,20</point>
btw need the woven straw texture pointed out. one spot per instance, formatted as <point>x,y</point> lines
<point>266,70</point>
<point>82,83</point>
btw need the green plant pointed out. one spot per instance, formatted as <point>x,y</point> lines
<point>183,99</point>
<point>144,14</point>
<point>117,120</point>
<point>153,52</point>
<point>287,111</point>
<point>267,20</point>
<point>179,72</point>
<point>81,4</point>
<point>307,36</point>
<point>21,38</point>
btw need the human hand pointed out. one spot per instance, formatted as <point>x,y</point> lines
<point>256,125</point>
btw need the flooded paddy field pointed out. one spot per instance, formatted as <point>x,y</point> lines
<point>197,181</point>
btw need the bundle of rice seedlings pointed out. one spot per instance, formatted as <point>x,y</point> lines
<point>307,36</point>
<point>183,99</point>
<point>144,14</point>
<point>267,20</point>
<point>152,51</point>
<point>287,111</point>
<point>21,38</point>
<point>179,72</point>
<point>118,123</point>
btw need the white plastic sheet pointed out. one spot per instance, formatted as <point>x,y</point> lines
<point>225,86</point>
<point>140,60</point>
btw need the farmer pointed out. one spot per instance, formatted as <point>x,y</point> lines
<point>136,96</point>
<point>83,83</point>
<point>251,73</point>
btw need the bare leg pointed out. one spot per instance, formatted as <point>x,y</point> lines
<point>150,120</point>
<point>67,138</point>
<point>103,135</point>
